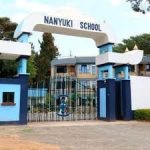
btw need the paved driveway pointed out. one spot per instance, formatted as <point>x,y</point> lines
<point>84,135</point>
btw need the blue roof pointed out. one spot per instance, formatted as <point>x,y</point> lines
<point>37,92</point>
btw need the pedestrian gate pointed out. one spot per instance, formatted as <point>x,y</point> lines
<point>62,98</point>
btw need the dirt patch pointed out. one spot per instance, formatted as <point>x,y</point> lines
<point>77,135</point>
<point>15,143</point>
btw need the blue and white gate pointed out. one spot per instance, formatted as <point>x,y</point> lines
<point>109,66</point>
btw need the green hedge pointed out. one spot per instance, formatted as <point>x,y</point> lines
<point>142,114</point>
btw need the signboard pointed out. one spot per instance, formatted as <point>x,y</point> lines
<point>101,33</point>
<point>71,23</point>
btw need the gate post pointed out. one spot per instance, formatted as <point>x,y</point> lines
<point>23,75</point>
<point>106,98</point>
<point>14,90</point>
<point>124,93</point>
<point>126,100</point>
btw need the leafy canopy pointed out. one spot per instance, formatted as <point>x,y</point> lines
<point>142,6</point>
<point>38,64</point>
<point>7,28</point>
<point>142,41</point>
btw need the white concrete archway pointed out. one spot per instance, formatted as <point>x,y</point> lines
<point>99,32</point>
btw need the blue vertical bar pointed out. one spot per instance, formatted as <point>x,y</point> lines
<point>110,72</point>
<point>126,72</point>
<point>103,102</point>
<point>22,66</point>
<point>100,74</point>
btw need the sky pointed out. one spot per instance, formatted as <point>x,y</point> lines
<point>117,13</point>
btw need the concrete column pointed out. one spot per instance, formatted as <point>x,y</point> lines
<point>136,67</point>
<point>105,48</point>
<point>106,88</point>
<point>106,67</point>
<point>22,66</point>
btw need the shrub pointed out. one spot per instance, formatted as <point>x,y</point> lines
<point>142,114</point>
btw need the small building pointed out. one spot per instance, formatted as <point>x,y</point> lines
<point>13,90</point>
<point>142,69</point>
<point>84,68</point>
<point>81,68</point>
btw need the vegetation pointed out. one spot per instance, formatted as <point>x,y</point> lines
<point>48,51</point>
<point>142,41</point>
<point>142,114</point>
<point>142,6</point>
<point>31,66</point>
<point>38,64</point>
<point>7,28</point>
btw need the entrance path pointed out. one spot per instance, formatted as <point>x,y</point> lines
<point>77,135</point>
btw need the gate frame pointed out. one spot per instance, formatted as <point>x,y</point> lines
<point>80,110</point>
<point>100,33</point>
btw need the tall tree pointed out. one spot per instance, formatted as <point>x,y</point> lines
<point>142,6</point>
<point>142,41</point>
<point>48,51</point>
<point>31,67</point>
<point>7,28</point>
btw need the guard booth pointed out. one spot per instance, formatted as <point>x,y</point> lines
<point>13,91</point>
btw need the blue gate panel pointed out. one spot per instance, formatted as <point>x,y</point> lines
<point>103,102</point>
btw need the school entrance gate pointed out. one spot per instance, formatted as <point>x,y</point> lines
<point>66,99</point>
<point>61,98</point>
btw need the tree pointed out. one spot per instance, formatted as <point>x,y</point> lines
<point>48,51</point>
<point>31,66</point>
<point>9,68</point>
<point>142,6</point>
<point>142,41</point>
<point>7,28</point>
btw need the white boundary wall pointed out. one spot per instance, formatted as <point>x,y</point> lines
<point>140,92</point>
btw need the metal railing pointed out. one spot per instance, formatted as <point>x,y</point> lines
<point>44,103</point>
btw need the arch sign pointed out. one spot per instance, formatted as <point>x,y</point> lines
<point>99,32</point>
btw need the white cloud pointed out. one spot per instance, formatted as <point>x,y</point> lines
<point>18,17</point>
<point>32,6</point>
<point>73,13</point>
<point>24,7</point>
<point>116,2</point>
